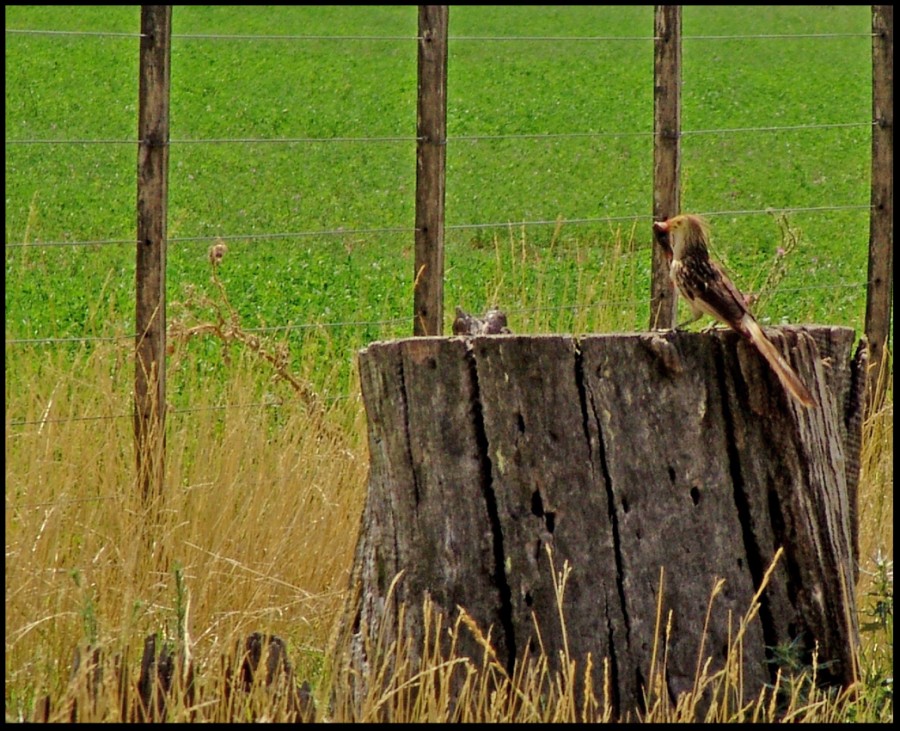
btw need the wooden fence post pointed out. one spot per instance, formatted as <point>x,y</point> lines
<point>881,221</point>
<point>431,157</point>
<point>150,275</point>
<point>666,153</point>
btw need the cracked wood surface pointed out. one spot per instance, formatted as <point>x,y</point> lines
<point>626,454</point>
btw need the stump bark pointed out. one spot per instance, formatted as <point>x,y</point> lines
<point>626,454</point>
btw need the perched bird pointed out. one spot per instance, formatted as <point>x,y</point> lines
<point>709,291</point>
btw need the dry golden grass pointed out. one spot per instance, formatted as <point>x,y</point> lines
<point>260,512</point>
<point>255,531</point>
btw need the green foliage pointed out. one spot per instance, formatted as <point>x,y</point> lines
<point>71,87</point>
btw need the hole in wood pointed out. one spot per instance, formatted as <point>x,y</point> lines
<point>537,504</point>
<point>520,422</point>
<point>695,495</point>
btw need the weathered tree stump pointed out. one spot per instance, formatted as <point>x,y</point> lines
<point>625,453</point>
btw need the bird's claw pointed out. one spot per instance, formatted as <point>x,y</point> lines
<point>712,328</point>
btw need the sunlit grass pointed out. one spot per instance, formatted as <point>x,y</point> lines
<point>256,526</point>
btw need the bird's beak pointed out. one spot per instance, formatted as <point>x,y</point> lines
<point>661,227</point>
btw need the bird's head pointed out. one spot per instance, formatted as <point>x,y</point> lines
<point>678,232</point>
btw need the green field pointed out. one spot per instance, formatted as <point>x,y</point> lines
<point>252,89</point>
<point>71,121</point>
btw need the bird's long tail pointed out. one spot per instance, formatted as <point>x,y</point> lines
<point>788,377</point>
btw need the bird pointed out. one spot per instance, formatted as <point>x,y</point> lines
<point>709,291</point>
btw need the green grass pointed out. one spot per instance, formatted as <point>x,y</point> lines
<point>70,484</point>
<point>265,89</point>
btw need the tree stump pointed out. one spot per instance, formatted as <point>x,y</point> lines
<point>627,454</point>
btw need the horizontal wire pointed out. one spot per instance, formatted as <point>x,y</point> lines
<point>39,32</point>
<point>106,417</point>
<point>505,39</point>
<point>543,222</point>
<point>267,329</point>
<point>226,237</point>
<point>502,39</point>
<point>86,339</point>
<point>71,142</point>
<point>682,133</point>
<point>216,141</point>
<point>211,36</point>
<point>64,501</point>
<point>787,128</point>
<point>98,242</point>
<point>450,138</point>
<point>740,37</point>
<point>369,323</point>
<point>639,217</point>
<point>402,320</point>
<point>295,234</point>
<point>777,36</point>
<point>249,37</point>
<point>317,325</point>
<point>789,209</point>
<point>294,140</point>
<point>407,229</point>
<point>179,412</point>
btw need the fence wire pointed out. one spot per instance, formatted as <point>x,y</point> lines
<point>450,138</point>
<point>481,39</point>
<point>411,139</point>
<point>448,227</point>
<point>574,309</point>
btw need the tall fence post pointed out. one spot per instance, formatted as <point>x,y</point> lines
<point>881,221</point>
<point>150,275</point>
<point>666,152</point>
<point>431,158</point>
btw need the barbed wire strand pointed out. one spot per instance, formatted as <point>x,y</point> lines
<point>450,138</point>
<point>448,227</point>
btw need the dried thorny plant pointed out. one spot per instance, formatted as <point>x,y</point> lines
<point>223,322</point>
<point>778,268</point>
